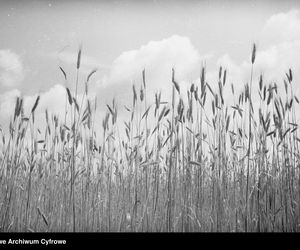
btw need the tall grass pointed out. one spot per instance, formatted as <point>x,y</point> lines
<point>192,163</point>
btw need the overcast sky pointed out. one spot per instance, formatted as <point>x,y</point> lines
<point>120,38</point>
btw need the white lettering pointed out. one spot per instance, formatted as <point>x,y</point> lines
<point>53,242</point>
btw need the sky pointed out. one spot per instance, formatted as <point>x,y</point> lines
<point>121,38</point>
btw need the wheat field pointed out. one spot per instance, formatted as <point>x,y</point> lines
<point>189,164</point>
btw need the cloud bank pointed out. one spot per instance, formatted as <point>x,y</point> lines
<point>157,58</point>
<point>278,50</point>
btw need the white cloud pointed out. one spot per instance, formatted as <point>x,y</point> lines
<point>282,27</point>
<point>53,100</point>
<point>158,57</point>
<point>277,51</point>
<point>11,68</point>
<point>281,46</point>
<point>8,100</point>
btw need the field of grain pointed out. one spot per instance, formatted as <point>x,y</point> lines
<point>189,164</point>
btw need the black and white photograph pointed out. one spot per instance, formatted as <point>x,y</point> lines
<point>148,117</point>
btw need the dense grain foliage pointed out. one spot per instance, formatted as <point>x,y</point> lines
<point>191,163</point>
